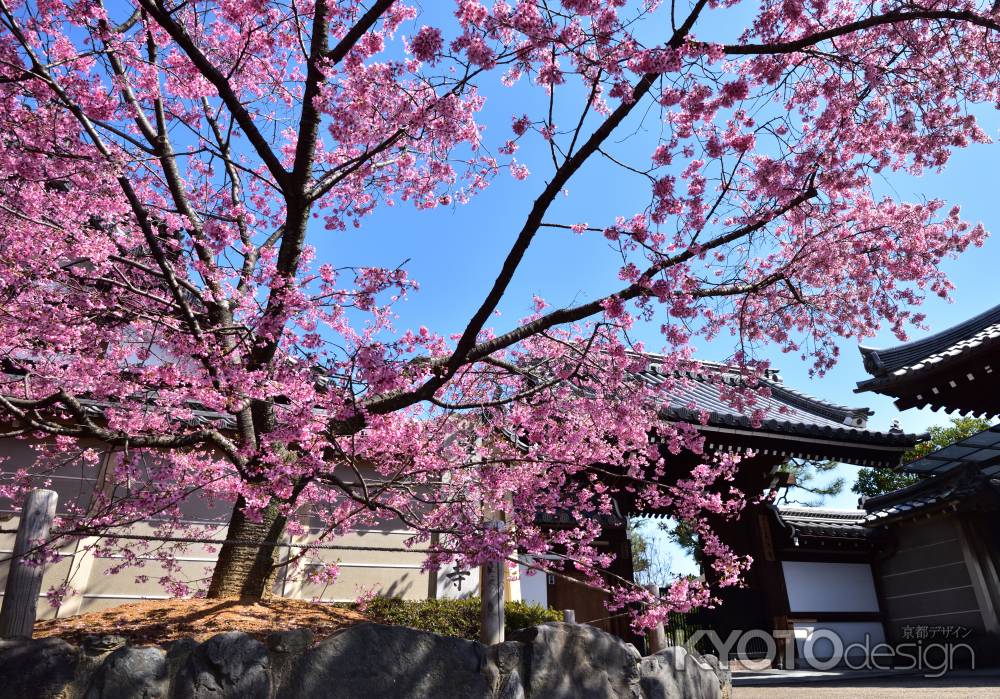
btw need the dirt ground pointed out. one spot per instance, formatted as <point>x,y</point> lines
<point>159,622</point>
<point>964,687</point>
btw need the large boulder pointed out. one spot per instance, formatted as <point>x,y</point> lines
<point>228,666</point>
<point>132,672</point>
<point>94,649</point>
<point>40,669</point>
<point>178,653</point>
<point>674,673</point>
<point>98,646</point>
<point>504,665</point>
<point>724,674</point>
<point>576,661</point>
<point>284,649</point>
<point>390,662</point>
<point>549,661</point>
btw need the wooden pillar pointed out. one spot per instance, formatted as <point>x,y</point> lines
<point>512,582</point>
<point>967,539</point>
<point>491,587</point>
<point>432,575</point>
<point>656,637</point>
<point>20,601</point>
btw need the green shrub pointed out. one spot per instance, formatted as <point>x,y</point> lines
<point>452,617</point>
<point>518,615</point>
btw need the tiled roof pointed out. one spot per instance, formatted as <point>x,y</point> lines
<point>817,522</point>
<point>199,417</point>
<point>954,488</point>
<point>981,450</point>
<point>786,410</point>
<point>893,363</point>
<point>95,408</point>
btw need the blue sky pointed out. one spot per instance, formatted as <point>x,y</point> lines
<point>455,253</point>
<point>970,182</point>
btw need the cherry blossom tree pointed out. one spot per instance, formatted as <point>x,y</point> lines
<point>167,169</point>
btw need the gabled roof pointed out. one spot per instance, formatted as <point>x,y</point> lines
<point>955,476</point>
<point>959,488</point>
<point>786,411</point>
<point>946,360</point>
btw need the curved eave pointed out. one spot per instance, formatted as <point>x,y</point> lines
<point>889,359</point>
<point>781,440</point>
<point>816,528</point>
<point>918,508</point>
<point>940,363</point>
<point>786,427</point>
<point>930,354</point>
<point>965,381</point>
<point>816,405</point>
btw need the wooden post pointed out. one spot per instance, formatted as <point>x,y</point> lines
<point>491,590</point>
<point>656,637</point>
<point>20,600</point>
<point>569,616</point>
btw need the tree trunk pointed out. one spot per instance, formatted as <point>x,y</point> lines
<point>243,571</point>
<point>24,580</point>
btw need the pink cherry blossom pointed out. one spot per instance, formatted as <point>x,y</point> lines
<point>168,172</point>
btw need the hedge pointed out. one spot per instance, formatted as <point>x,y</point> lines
<point>452,617</point>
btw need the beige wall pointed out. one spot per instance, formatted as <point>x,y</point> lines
<point>395,574</point>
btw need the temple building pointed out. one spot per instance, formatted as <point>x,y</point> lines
<point>921,564</point>
<point>827,560</point>
<point>943,567</point>
<point>794,426</point>
<point>957,369</point>
<point>812,570</point>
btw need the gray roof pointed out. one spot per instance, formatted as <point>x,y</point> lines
<point>199,416</point>
<point>786,410</point>
<point>954,489</point>
<point>981,450</point>
<point>894,363</point>
<point>95,408</point>
<point>818,522</point>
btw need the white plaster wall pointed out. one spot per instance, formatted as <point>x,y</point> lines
<point>829,587</point>
<point>534,588</point>
<point>868,634</point>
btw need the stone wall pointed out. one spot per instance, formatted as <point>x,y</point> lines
<point>368,661</point>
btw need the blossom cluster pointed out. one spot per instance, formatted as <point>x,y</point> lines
<point>169,170</point>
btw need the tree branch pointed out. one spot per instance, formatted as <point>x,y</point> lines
<point>352,37</point>
<point>222,86</point>
<point>893,17</point>
<point>562,176</point>
<point>385,404</point>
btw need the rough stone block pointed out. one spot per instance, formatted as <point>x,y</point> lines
<point>39,669</point>
<point>131,673</point>
<point>390,662</point>
<point>228,666</point>
<point>673,673</point>
<point>577,661</point>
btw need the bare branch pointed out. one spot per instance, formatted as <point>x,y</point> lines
<point>894,17</point>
